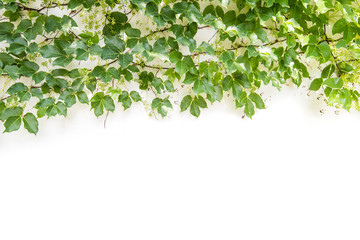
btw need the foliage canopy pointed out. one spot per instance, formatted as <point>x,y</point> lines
<point>141,50</point>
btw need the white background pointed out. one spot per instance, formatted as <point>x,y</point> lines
<point>290,173</point>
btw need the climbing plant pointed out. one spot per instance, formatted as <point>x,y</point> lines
<point>104,52</point>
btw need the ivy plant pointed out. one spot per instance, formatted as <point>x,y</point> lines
<point>110,54</point>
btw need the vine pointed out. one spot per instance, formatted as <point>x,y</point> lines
<point>101,52</point>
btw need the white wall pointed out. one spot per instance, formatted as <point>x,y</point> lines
<point>290,173</point>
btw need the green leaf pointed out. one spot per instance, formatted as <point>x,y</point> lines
<point>200,101</point>
<point>167,14</point>
<point>133,32</point>
<point>156,102</point>
<point>194,109</point>
<point>125,59</point>
<point>175,56</point>
<point>333,82</point>
<point>169,86</point>
<point>135,96</point>
<point>261,34</point>
<point>6,27</point>
<point>109,103</point>
<point>83,98</point>
<point>115,43</point>
<point>97,103</point>
<point>12,70</point>
<point>339,26</point>
<point>61,109</point>
<point>39,77</point>
<point>125,100</point>
<point>12,124</point>
<point>109,53</point>
<point>17,87</point>
<point>257,100</point>
<point>33,48</point>
<point>50,51</point>
<point>208,48</point>
<point>28,69</point>
<point>167,103</point>
<point>100,72</point>
<point>70,100</point>
<point>325,50</point>
<point>316,84</point>
<point>31,123</point>
<point>346,99</point>
<point>328,71</point>
<point>16,48</point>
<point>229,18</point>
<point>10,112</point>
<point>23,26</point>
<point>63,61</point>
<point>151,9</point>
<point>6,59</point>
<point>36,92</point>
<point>185,103</point>
<point>181,68</point>
<point>227,83</point>
<point>81,55</point>
<point>180,7</point>
<point>2,107</point>
<point>52,23</point>
<point>249,108</point>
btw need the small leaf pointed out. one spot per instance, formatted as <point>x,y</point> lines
<point>50,51</point>
<point>185,103</point>
<point>257,100</point>
<point>125,59</point>
<point>156,102</point>
<point>12,124</point>
<point>169,86</point>
<point>31,123</point>
<point>10,112</point>
<point>175,56</point>
<point>133,32</point>
<point>200,101</point>
<point>181,68</point>
<point>194,109</point>
<point>17,87</point>
<point>135,96</point>
<point>83,98</point>
<point>316,84</point>
<point>334,82</point>
<point>339,26</point>
<point>81,54</point>
<point>151,9</point>
<point>61,109</point>
<point>249,108</point>
<point>109,103</point>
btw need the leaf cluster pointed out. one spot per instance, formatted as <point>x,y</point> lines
<point>253,43</point>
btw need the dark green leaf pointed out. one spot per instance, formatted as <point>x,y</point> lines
<point>151,9</point>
